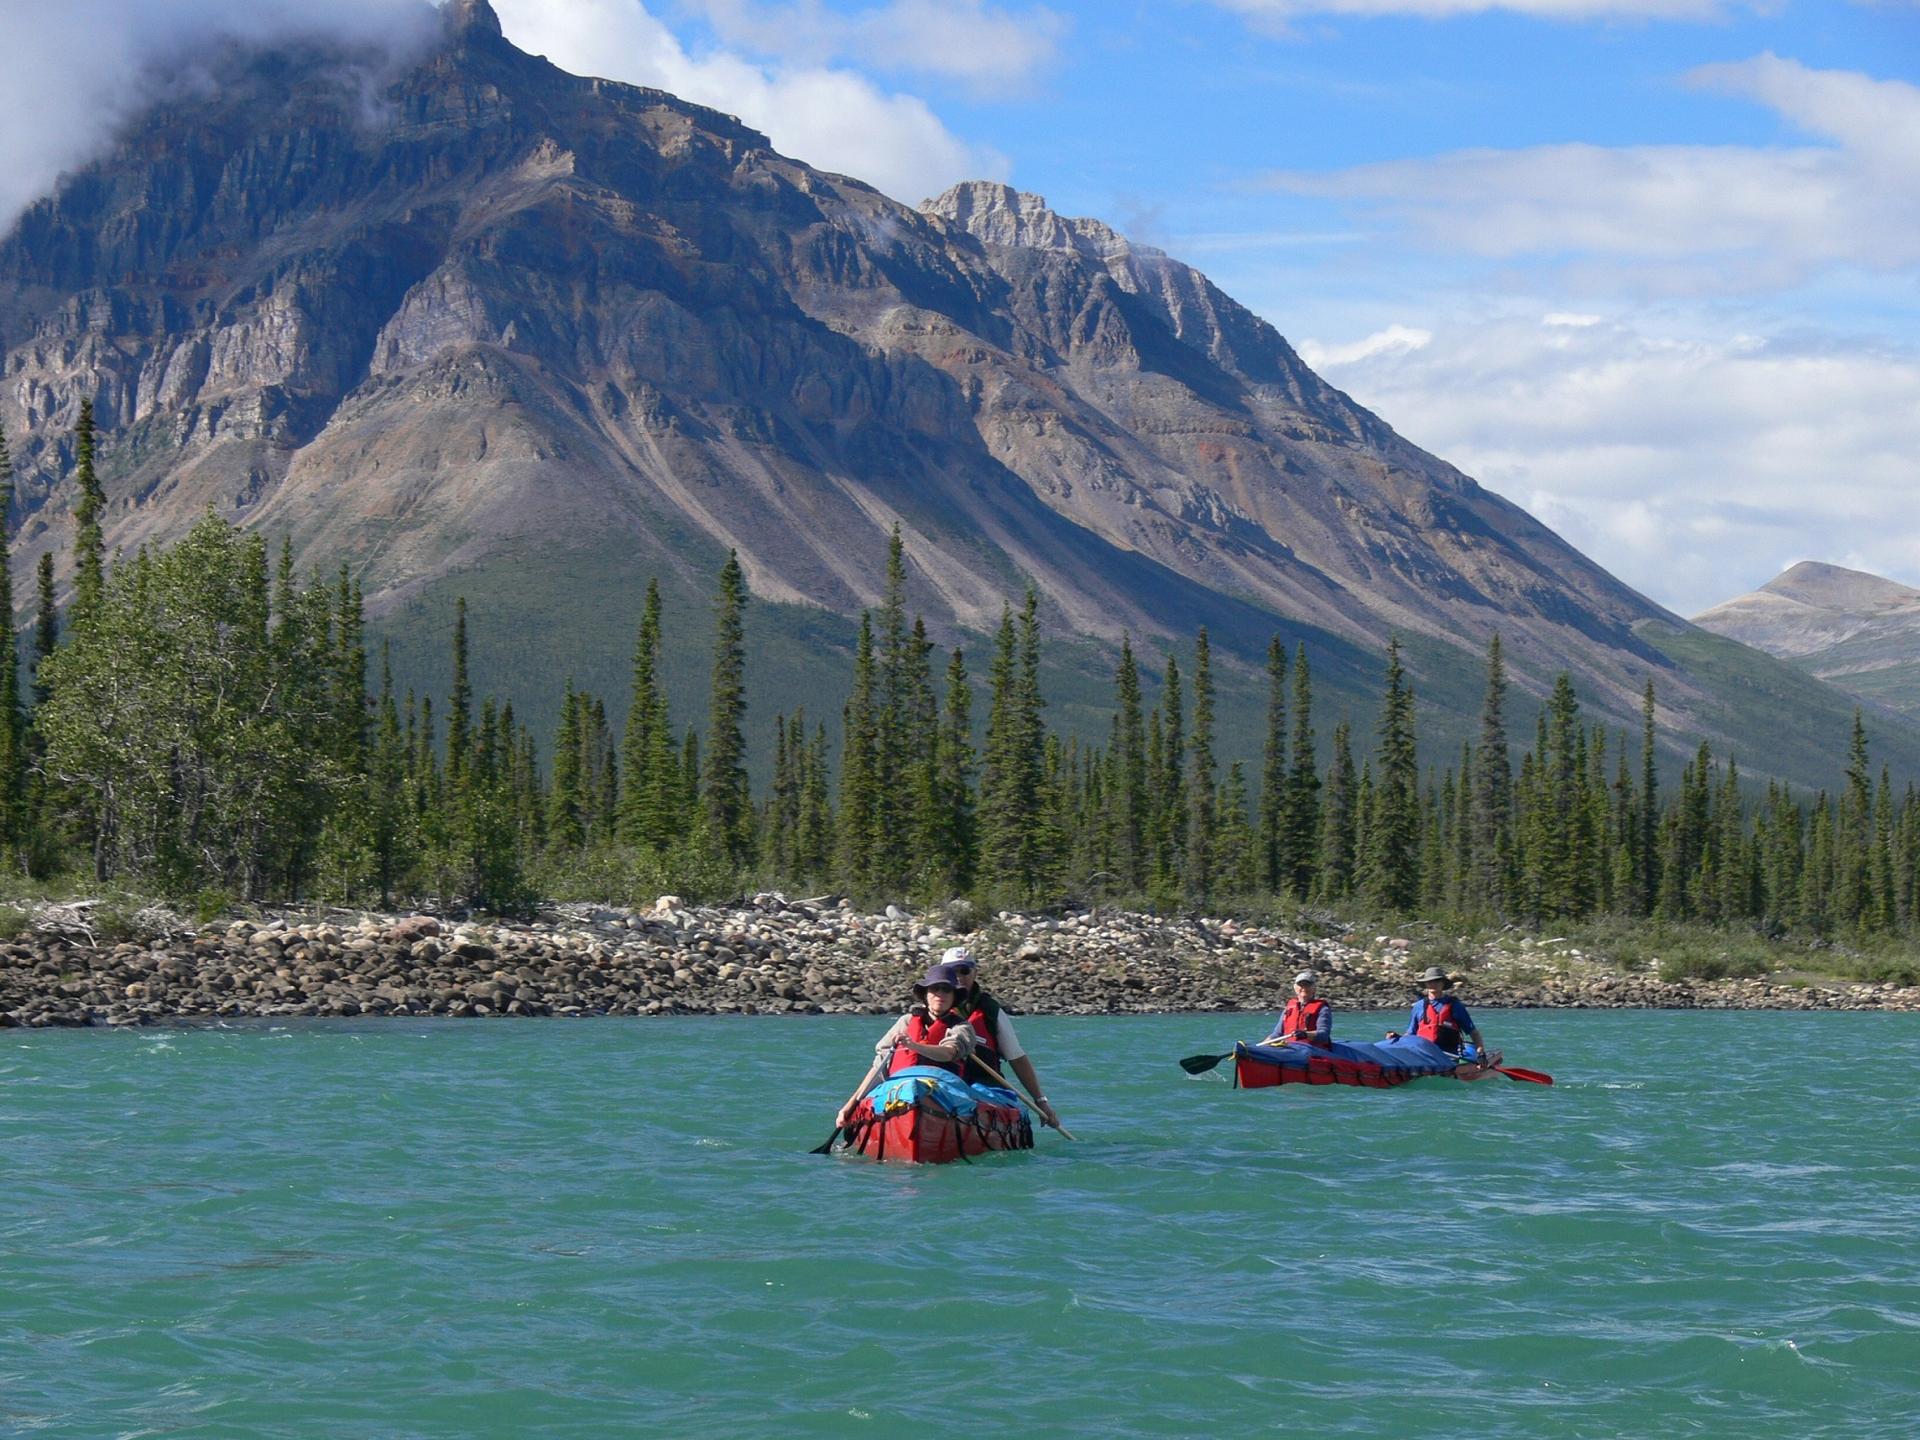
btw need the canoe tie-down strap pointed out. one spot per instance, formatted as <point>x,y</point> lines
<point>988,1117</point>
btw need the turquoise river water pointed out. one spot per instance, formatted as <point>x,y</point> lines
<point>1710,1226</point>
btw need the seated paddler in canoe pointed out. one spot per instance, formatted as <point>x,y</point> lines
<point>998,1057</point>
<point>913,1103</point>
<point>1439,1016</point>
<point>1441,1040</point>
<point>1307,1020</point>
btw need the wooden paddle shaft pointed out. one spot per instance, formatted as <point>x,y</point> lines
<point>1001,1080</point>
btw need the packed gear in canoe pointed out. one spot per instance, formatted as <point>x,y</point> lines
<point>927,1116</point>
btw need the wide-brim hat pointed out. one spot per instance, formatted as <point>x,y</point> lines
<point>1434,972</point>
<point>936,975</point>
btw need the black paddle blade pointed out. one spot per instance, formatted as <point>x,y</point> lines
<point>1200,1064</point>
<point>827,1149</point>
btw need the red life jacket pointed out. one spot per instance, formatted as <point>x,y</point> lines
<point>1438,1023</point>
<point>987,1050</point>
<point>922,1030</point>
<point>1303,1021</point>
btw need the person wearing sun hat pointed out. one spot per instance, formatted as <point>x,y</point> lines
<point>1307,1020</point>
<point>998,1045</point>
<point>933,1032</point>
<point>1440,1017</point>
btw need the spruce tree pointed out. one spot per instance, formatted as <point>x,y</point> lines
<point>954,853</point>
<point>460,699</point>
<point>640,796</point>
<point>89,540</point>
<point>1881,908</point>
<point>1236,867</point>
<point>857,776</point>
<point>814,850</point>
<point>1391,861</point>
<point>391,833</point>
<point>1647,891</point>
<point>892,819</point>
<point>1170,805</point>
<point>1339,820</point>
<point>729,807</point>
<point>46,627</point>
<point>1045,839</point>
<point>1300,834</point>
<point>1197,873</point>
<point>1272,824</point>
<point>1816,880</point>
<point>1019,836</point>
<point>566,799</point>
<point>1492,823</point>
<point>921,765</point>
<point>1853,834</point>
<point>12,720</point>
<point>775,822</point>
<point>1131,798</point>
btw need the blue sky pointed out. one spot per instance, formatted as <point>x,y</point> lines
<point>1647,267</point>
<point>1650,268</point>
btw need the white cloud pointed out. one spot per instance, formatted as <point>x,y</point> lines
<point>1394,339</point>
<point>987,48</point>
<point>77,70</point>
<point>1677,218</point>
<point>60,113</point>
<point>832,118</point>
<point>1693,464</point>
<point>1276,13</point>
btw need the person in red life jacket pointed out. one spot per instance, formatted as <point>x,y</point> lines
<point>1307,1020</point>
<point>933,1032</point>
<point>993,1027</point>
<point>1440,1017</point>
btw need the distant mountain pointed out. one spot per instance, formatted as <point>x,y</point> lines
<point>1861,632</point>
<point>470,324</point>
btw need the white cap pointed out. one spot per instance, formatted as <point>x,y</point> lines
<point>1305,977</point>
<point>959,955</point>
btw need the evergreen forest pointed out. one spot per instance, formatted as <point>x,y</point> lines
<point>204,723</point>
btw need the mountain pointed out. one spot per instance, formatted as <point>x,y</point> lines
<point>470,324</point>
<point>1858,631</point>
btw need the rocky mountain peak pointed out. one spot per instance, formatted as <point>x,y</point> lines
<point>1001,215</point>
<point>1834,587</point>
<point>504,312</point>
<point>470,17</point>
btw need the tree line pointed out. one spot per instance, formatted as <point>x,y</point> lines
<point>201,722</point>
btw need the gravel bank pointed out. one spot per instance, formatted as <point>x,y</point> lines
<point>775,956</point>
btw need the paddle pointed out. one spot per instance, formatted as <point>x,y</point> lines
<point>1001,1080</point>
<point>847,1130</point>
<point>1514,1072</point>
<point>1200,1064</point>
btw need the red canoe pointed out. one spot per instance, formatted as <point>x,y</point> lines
<point>927,1116</point>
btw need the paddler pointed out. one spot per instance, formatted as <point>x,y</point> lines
<point>1439,1016</point>
<point>933,1032</point>
<point>993,1027</point>
<point>1307,1020</point>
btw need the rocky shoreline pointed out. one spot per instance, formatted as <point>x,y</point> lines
<point>779,956</point>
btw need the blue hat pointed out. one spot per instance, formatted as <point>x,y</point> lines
<point>936,975</point>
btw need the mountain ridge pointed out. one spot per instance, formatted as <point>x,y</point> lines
<point>502,326</point>
<point>1856,630</point>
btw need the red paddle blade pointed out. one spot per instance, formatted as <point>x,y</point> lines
<point>1516,1073</point>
